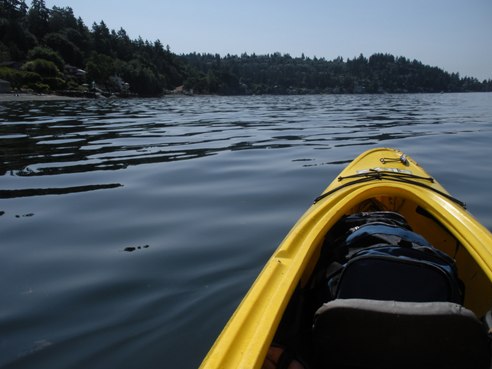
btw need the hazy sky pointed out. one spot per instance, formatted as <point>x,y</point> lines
<point>455,35</point>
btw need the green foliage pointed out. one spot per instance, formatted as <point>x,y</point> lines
<point>79,37</point>
<point>16,38</point>
<point>99,68</point>
<point>46,53</point>
<point>11,75</point>
<point>61,18</point>
<point>13,9</point>
<point>283,74</point>
<point>143,78</point>
<point>44,68</point>
<point>19,79</point>
<point>101,38</point>
<point>49,41</point>
<point>37,18</point>
<point>4,52</point>
<point>54,83</point>
<point>29,78</point>
<point>32,79</point>
<point>40,87</point>
<point>69,52</point>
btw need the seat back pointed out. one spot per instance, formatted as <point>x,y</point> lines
<point>387,272</point>
<point>360,333</point>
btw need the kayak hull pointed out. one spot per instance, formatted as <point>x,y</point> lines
<point>381,175</point>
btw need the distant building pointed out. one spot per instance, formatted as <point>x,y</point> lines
<point>76,72</point>
<point>119,84</point>
<point>4,86</point>
<point>179,90</point>
<point>11,64</point>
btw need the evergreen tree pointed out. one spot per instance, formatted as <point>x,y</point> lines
<point>49,42</point>
<point>37,18</point>
<point>13,9</point>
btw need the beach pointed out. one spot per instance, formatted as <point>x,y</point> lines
<point>6,97</point>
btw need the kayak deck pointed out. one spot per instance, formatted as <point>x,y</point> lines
<point>383,178</point>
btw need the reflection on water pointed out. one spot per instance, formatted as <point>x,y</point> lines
<point>7,194</point>
<point>131,228</point>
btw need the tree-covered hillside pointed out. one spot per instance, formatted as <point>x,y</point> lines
<point>52,50</point>
<point>278,73</point>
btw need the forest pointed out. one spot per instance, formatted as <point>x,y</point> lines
<point>51,50</point>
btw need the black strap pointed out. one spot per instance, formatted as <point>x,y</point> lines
<point>396,177</point>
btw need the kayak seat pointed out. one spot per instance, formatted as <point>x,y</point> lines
<point>362,333</point>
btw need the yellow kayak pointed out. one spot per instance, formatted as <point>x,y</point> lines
<point>383,178</point>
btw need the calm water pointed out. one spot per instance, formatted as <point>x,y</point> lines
<point>131,229</point>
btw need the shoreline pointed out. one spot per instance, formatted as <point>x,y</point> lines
<point>13,97</point>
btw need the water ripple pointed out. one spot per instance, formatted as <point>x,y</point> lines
<point>132,228</point>
<point>48,138</point>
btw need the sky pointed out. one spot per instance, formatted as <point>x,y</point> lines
<point>454,35</point>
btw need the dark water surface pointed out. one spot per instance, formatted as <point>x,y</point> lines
<point>131,229</point>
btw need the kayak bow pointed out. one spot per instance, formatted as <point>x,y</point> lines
<point>384,175</point>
